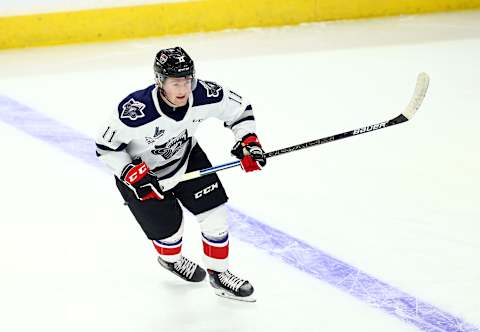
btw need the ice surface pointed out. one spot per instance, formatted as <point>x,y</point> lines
<point>390,218</point>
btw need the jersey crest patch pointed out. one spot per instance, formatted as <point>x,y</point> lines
<point>170,148</point>
<point>213,89</point>
<point>132,110</point>
<point>158,133</point>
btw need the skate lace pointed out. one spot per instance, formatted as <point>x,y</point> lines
<point>185,267</point>
<point>230,281</point>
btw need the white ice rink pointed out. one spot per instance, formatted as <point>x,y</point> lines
<point>398,208</point>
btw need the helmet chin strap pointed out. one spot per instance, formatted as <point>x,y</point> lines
<point>162,92</point>
<point>159,83</point>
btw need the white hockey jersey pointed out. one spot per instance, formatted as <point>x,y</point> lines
<point>163,138</point>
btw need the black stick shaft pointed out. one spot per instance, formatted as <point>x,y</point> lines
<point>363,130</point>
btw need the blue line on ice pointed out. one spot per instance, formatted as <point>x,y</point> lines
<point>279,244</point>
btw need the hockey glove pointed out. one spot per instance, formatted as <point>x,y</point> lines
<point>141,181</point>
<point>250,152</point>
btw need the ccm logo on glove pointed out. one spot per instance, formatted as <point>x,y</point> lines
<point>141,181</point>
<point>137,173</point>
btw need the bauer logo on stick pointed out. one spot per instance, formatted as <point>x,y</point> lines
<point>369,128</point>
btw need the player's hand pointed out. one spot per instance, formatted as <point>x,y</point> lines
<point>141,181</point>
<point>250,152</point>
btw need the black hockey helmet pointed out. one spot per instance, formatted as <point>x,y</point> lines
<point>173,62</point>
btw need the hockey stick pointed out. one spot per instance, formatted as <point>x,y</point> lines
<point>417,99</point>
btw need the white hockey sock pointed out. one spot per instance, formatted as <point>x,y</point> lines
<point>170,248</point>
<point>215,253</point>
<point>213,225</point>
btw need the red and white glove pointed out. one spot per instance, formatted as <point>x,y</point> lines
<point>141,181</point>
<point>250,152</point>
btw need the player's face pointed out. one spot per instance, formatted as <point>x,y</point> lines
<point>178,89</point>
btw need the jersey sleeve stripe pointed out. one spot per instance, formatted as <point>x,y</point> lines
<point>122,146</point>
<point>248,118</point>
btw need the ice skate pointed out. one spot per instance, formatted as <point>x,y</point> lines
<point>185,269</point>
<point>230,286</point>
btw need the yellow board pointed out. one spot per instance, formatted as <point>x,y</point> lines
<point>195,16</point>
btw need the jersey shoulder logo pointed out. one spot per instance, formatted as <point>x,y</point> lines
<point>132,110</point>
<point>206,93</point>
<point>213,89</point>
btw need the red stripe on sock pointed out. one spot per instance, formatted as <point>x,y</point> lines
<point>215,252</point>
<point>167,250</point>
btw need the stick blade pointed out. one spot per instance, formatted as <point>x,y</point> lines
<point>421,88</point>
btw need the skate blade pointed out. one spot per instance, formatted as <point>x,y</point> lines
<point>230,296</point>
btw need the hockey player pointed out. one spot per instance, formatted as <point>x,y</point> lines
<point>151,138</point>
